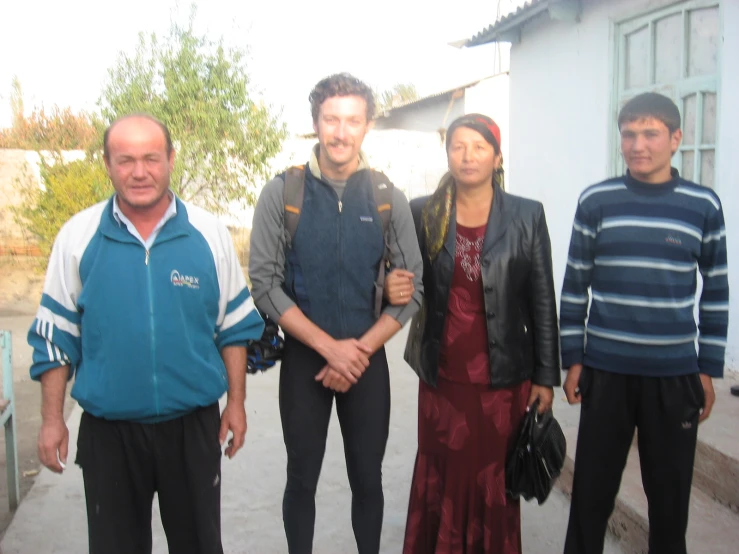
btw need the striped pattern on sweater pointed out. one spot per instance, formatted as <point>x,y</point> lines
<point>631,272</point>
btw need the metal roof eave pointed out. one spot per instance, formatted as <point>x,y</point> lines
<point>437,95</point>
<point>508,29</point>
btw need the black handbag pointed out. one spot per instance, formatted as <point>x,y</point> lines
<point>537,457</point>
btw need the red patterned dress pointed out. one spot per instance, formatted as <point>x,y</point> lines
<point>458,503</point>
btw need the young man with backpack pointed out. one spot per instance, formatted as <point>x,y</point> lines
<point>637,241</point>
<point>323,236</point>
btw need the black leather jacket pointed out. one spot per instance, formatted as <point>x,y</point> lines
<point>518,287</point>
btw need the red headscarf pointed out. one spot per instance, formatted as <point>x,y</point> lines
<point>480,123</point>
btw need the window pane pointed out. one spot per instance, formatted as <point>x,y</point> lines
<point>667,48</point>
<point>709,118</point>
<point>688,159</point>
<point>689,116</point>
<point>637,54</point>
<point>703,45</point>
<point>708,159</point>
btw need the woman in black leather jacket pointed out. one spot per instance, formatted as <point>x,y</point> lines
<point>485,345</point>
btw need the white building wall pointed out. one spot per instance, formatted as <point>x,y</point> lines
<point>429,115</point>
<point>727,172</point>
<point>561,122</point>
<point>413,160</point>
<point>491,97</point>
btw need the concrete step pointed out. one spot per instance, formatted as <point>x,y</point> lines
<point>712,528</point>
<point>717,454</point>
<point>543,527</point>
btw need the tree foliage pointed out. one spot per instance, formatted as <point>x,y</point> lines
<point>55,129</point>
<point>200,89</point>
<point>398,94</point>
<point>67,189</point>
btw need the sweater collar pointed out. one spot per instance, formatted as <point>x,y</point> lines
<point>316,171</point>
<point>652,188</point>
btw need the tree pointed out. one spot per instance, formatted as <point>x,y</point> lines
<point>67,189</point>
<point>56,129</point>
<point>223,138</point>
<point>400,93</point>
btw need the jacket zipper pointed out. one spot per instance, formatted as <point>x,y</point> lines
<point>151,332</point>
<point>341,266</point>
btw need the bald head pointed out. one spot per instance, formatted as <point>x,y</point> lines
<point>140,160</point>
<point>140,118</point>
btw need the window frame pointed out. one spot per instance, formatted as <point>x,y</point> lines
<point>677,90</point>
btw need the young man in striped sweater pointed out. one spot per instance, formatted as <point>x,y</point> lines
<point>637,241</point>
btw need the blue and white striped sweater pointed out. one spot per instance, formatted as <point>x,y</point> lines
<point>631,272</point>
<point>142,329</point>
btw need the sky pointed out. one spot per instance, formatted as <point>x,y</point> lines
<point>61,51</point>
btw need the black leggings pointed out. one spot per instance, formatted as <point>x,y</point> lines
<point>364,416</point>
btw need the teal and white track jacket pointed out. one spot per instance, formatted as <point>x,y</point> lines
<point>142,329</point>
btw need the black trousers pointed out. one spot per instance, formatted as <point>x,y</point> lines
<point>124,464</point>
<point>665,411</point>
<point>364,416</point>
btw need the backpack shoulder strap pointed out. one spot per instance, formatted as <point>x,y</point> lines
<point>382,190</point>
<point>293,199</point>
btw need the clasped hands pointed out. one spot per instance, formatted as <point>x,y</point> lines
<point>347,361</point>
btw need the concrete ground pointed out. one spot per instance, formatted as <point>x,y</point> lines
<point>52,520</point>
<point>16,317</point>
